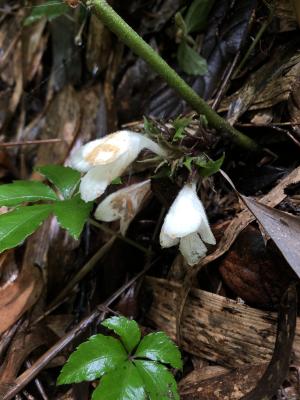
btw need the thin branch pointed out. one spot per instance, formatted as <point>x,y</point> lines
<point>30,142</point>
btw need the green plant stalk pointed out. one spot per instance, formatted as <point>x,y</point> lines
<point>127,35</point>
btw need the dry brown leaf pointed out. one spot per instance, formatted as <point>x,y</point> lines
<point>227,386</point>
<point>283,229</point>
<point>194,378</point>
<point>19,291</point>
<point>23,344</point>
<point>214,327</point>
<point>273,83</point>
<point>285,13</point>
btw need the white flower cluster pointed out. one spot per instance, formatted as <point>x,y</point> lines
<point>106,159</point>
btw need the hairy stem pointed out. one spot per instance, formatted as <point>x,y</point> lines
<point>127,35</point>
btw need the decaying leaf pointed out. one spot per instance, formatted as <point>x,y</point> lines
<point>282,227</point>
<point>18,292</point>
<point>285,14</point>
<point>273,83</point>
<point>215,328</point>
<point>228,385</point>
<point>255,271</point>
<point>277,370</point>
<point>23,344</point>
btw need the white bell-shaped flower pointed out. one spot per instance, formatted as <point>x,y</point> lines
<point>105,159</point>
<point>124,204</point>
<point>186,223</point>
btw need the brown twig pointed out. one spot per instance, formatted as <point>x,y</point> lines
<point>31,142</point>
<point>41,362</point>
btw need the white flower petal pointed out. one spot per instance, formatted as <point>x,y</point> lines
<point>192,248</point>
<point>92,185</point>
<point>205,232</point>
<point>123,204</point>
<point>96,180</point>
<point>110,148</point>
<point>166,240</point>
<point>111,156</point>
<point>146,143</point>
<point>185,214</point>
<point>78,162</point>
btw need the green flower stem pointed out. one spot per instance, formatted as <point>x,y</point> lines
<point>127,35</point>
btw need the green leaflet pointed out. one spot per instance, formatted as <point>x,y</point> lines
<point>50,9</point>
<point>190,61</point>
<point>72,214</point>
<point>66,179</point>
<point>159,382</point>
<point>19,192</point>
<point>17,225</point>
<point>92,359</point>
<point>124,383</point>
<point>127,329</point>
<point>197,15</point>
<point>159,347</point>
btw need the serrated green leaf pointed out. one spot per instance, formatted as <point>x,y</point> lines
<point>72,214</point>
<point>127,329</point>
<point>209,167</point>
<point>190,61</point>
<point>159,382</point>
<point>188,161</point>
<point>159,347</point>
<point>66,179</point>
<point>18,192</point>
<point>197,15</point>
<point>92,359</point>
<point>124,383</point>
<point>50,10</point>
<point>180,124</point>
<point>17,225</point>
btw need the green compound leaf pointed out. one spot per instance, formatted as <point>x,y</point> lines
<point>159,382</point>
<point>19,192</point>
<point>17,225</point>
<point>50,9</point>
<point>127,329</point>
<point>72,214</point>
<point>66,179</point>
<point>124,383</point>
<point>197,15</point>
<point>159,347</point>
<point>190,61</point>
<point>92,359</point>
